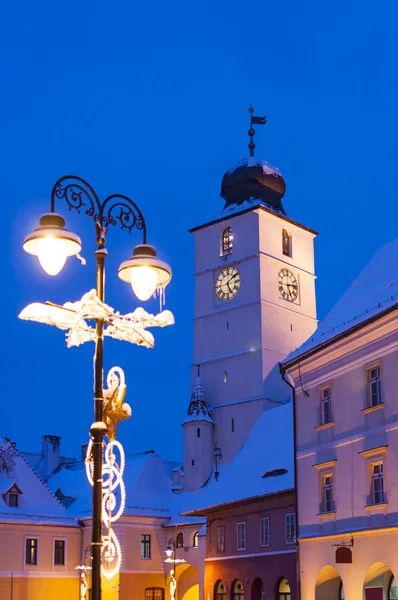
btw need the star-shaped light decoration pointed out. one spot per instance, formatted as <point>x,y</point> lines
<point>74,317</point>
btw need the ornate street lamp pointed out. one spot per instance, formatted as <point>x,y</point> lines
<point>171,550</point>
<point>52,243</point>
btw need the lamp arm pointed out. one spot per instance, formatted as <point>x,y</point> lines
<point>128,214</point>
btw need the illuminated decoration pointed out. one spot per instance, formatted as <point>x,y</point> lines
<point>113,488</point>
<point>83,580</point>
<point>75,317</point>
<point>176,561</point>
<point>173,584</point>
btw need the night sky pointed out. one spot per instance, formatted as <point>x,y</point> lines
<point>150,100</point>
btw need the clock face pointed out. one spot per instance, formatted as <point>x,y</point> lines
<point>228,283</point>
<point>288,285</point>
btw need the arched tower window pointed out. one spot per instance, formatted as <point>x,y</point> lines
<point>284,590</point>
<point>195,539</point>
<point>286,243</point>
<point>219,590</point>
<point>227,241</point>
<point>237,590</point>
<point>180,540</point>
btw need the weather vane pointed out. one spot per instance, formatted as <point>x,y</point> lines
<point>254,121</point>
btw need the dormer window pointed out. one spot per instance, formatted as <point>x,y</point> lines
<point>227,241</point>
<point>11,496</point>
<point>286,243</point>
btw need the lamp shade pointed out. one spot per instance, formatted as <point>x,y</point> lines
<point>145,271</point>
<point>52,243</point>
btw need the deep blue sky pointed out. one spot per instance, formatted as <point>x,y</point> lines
<point>150,100</point>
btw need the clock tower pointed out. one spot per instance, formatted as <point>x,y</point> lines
<point>254,299</point>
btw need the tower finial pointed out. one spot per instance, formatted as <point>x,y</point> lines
<point>251,132</point>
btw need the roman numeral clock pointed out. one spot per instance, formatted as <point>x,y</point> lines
<point>288,286</point>
<point>228,283</point>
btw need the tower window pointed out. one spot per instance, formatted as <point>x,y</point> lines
<point>227,241</point>
<point>286,243</point>
<point>232,425</point>
<point>198,432</point>
<point>192,462</point>
<point>225,376</point>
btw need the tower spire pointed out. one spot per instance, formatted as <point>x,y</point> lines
<point>254,121</point>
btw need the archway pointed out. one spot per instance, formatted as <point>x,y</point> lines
<point>237,590</point>
<point>379,583</point>
<point>220,592</point>
<point>257,592</point>
<point>284,590</point>
<point>328,584</point>
<point>187,583</point>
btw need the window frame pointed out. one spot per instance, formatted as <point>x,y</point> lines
<point>376,478</point>
<point>264,537</point>
<point>326,400</point>
<point>217,594</point>
<point>286,243</point>
<point>146,546</point>
<point>289,528</point>
<point>195,540</point>
<point>227,241</point>
<point>180,540</point>
<point>327,503</point>
<point>59,539</point>
<point>369,382</point>
<point>13,495</point>
<point>220,539</point>
<point>241,525</point>
<point>26,539</point>
<point>153,595</point>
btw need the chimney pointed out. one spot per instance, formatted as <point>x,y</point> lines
<point>51,448</point>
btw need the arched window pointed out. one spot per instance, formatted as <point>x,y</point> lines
<point>219,591</point>
<point>392,589</point>
<point>286,243</point>
<point>180,540</point>
<point>237,590</point>
<point>284,590</point>
<point>154,593</point>
<point>195,540</point>
<point>257,589</point>
<point>227,241</point>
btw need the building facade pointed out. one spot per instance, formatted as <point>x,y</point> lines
<point>347,442</point>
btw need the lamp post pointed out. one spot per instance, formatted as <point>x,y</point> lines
<point>171,550</point>
<point>52,243</point>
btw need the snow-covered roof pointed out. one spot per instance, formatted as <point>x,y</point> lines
<point>372,293</point>
<point>254,161</point>
<point>268,449</point>
<point>36,502</point>
<point>198,409</point>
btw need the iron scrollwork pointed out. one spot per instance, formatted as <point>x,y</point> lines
<point>115,209</point>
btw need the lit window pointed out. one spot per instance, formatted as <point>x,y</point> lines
<point>264,532</point>
<point>374,386</point>
<point>180,541</point>
<point>286,245</point>
<point>220,539</point>
<point>31,546</point>
<point>290,528</point>
<point>237,590</point>
<point>284,590</point>
<point>377,484</point>
<point>59,553</point>
<point>195,542</point>
<point>227,241</point>
<point>146,546</point>
<point>241,535</point>
<point>225,376</point>
<point>154,593</point>
<point>219,591</point>
<point>327,495</point>
<point>326,406</point>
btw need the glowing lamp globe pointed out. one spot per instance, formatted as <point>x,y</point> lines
<point>145,272</point>
<point>52,243</point>
<point>169,551</point>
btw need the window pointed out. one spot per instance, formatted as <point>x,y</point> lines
<point>220,539</point>
<point>284,590</point>
<point>374,387</point>
<point>232,425</point>
<point>13,499</point>
<point>241,536</point>
<point>225,376</point>
<point>180,541</point>
<point>219,591</point>
<point>227,241</point>
<point>286,243</point>
<point>195,541</point>
<point>154,593</point>
<point>326,406</point>
<point>290,528</point>
<point>192,462</point>
<point>146,546</point>
<point>237,590</point>
<point>198,432</point>
<point>31,546</point>
<point>377,484</point>
<point>327,495</point>
<point>59,553</point>
<point>264,532</point>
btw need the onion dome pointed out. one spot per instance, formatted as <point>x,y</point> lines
<point>253,179</point>
<point>198,409</point>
